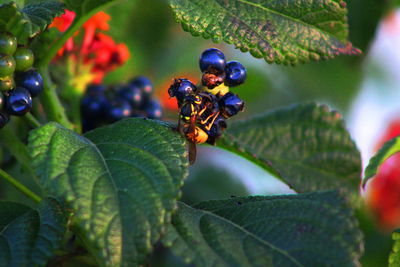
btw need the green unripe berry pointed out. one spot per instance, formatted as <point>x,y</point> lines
<point>8,43</point>
<point>7,83</point>
<point>23,59</point>
<point>7,65</point>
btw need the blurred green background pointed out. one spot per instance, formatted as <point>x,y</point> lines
<point>161,50</point>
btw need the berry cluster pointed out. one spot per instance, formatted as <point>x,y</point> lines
<point>101,106</point>
<point>204,109</point>
<point>18,81</point>
<point>217,71</point>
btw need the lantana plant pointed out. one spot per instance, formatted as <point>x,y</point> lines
<point>110,194</point>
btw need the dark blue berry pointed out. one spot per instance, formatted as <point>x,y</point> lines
<point>138,114</point>
<point>93,107</point>
<point>88,125</point>
<point>18,101</point>
<point>181,89</point>
<point>134,95</point>
<point>235,74</point>
<point>212,60</point>
<point>4,119</point>
<point>118,109</point>
<point>95,89</point>
<point>230,104</point>
<point>143,84</point>
<point>31,80</point>
<point>153,109</point>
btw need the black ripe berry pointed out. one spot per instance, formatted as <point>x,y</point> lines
<point>133,94</point>
<point>230,104</point>
<point>100,106</point>
<point>143,84</point>
<point>118,109</point>
<point>8,43</point>
<point>31,80</point>
<point>95,89</point>
<point>235,74</point>
<point>153,109</point>
<point>181,88</point>
<point>18,101</point>
<point>93,106</point>
<point>212,60</point>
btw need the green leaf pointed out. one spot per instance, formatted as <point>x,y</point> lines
<point>29,21</point>
<point>394,258</point>
<point>28,237</point>
<point>307,146</point>
<point>388,149</point>
<point>278,31</point>
<point>316,229</point>
<point>121,181</point>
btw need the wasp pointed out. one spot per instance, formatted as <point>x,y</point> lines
<point>197,116</point>
<point>200,120</point>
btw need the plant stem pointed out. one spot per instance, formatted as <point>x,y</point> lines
<point>31,120</point>
<point>45,61</point>
<point>76,113</point>
<point>18,149</point>
<point>22,188</point>
<point>49,98</point>
<point>50,101</point>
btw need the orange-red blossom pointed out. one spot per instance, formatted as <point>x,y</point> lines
<point>96,49</point>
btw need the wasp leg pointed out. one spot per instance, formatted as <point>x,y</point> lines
<point>180,127</point>
<point>208,127</point>
<point>202,111</point>
<point>205,95</point>
<point>192,153</point>
<point>209,117</point>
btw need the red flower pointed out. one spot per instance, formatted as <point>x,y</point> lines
<point>105,55</point>
<point>98,21</point>
<point>97,49</point>
<point>383,194</point>
<point>62,23</point>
